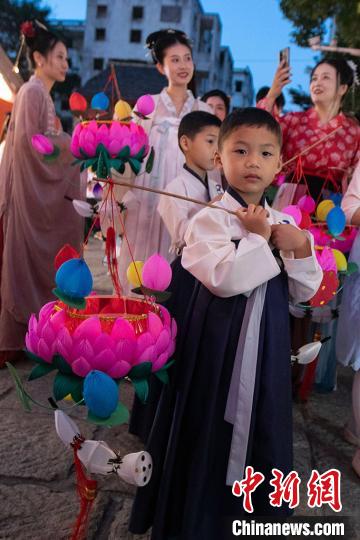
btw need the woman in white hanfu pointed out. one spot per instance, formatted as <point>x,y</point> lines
<point>145,231</point>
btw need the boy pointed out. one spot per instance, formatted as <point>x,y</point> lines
<point>198,139</point>
<point>231,401</point>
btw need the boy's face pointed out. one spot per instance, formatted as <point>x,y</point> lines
<point>200,151</point>
<point>250,158</point>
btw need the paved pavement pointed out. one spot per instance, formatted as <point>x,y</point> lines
<point>37,495</point>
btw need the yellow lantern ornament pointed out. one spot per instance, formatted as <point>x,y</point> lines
<point>134,273</point>
<point>122,111</point>
<point>324,208</point>
<point>341,262</point>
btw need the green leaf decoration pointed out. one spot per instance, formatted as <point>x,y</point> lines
<point>140,371</point>
<point>162,374</point>
<point>150,161</point>
<point>118,165</point>
<point>77,393</point>
<point>139,156</point>
<point>63,366</point>
<point>22,395</point>
<point>66,384</point>
<point>352,268</point>
<point>54,155</point>
<point>160,296</point>
<point>35,358</point>
<point>141,387</point>
<point>124,153</point>
<point>118,417</point>
<point>78,303</point>
<point>40,371</point>
<point>135,165</point>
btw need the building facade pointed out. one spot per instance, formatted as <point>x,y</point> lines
<point>243,93</point>
<point>116,30</point>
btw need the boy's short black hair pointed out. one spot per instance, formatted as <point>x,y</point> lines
<point>249,116</point>
<point>194,122</point>
<point>221,95</point>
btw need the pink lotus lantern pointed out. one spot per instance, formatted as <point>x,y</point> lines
<point>103,145</point>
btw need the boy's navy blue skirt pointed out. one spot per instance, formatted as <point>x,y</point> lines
<point>181,288</point>
<point>187,497</point>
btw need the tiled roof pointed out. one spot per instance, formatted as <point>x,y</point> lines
<point>134,81</point>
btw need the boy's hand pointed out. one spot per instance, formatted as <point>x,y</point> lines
<point>290,238</point>
<point>254,219</point>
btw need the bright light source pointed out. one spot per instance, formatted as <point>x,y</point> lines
<point>5,91</point>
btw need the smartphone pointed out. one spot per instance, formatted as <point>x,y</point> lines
<point>285,55</point>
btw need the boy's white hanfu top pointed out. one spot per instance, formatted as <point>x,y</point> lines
<point>177,213</point>
<point>227,270</point>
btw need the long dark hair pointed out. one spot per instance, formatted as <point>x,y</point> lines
<point>38,38</point>
<point>159,42</point>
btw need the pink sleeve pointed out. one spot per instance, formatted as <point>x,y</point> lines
<point>351,199</point>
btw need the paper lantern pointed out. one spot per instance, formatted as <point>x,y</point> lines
<point>323,209</point>
<point>100,102</point>
<point>145,104</point>
<point>42,144</point>
<point>66,253</point>
<point>336,221</point>
<point>326,291</point>
<point>134,273</point>
<point>77,102</point>
<point>341,262</point>
<point>101,394</point>
<point>306,204</point>
<point>74,278</point>
<point>157,273</point>
<point>293,211</point>
<point>122,110</point>
<point>305,222</point>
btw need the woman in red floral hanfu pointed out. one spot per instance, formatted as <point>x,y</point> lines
<point>330,160</point>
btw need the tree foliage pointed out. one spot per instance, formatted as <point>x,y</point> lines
<point>310,18</point>
<point>13,13</point>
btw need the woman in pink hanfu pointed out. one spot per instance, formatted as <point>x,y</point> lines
<point>36,216</point>
<point>146,233</point>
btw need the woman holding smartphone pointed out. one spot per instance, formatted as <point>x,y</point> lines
<point>327,161</point>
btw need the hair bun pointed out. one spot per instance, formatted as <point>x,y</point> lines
<point>155,37</point>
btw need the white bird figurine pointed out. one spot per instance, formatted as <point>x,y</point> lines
<point>98,458</point>
<point>307,353</point>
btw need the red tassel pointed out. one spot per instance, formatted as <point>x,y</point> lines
<point>87,490</point>
<point>110,251</point>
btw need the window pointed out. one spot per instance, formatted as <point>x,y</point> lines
<point>98,63</point>
<point>135,36</point>
<point>100,34</point>
<point>137,13</point>
<point>170,14</point>
<point>101,11</point>
<point>238,86</point>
